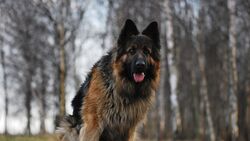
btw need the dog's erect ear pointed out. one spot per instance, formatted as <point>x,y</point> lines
<point>152,32</point>
<point>128,30</point>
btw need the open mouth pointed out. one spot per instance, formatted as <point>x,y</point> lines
<point>138,77</point>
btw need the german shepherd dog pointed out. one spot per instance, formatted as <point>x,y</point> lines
<point>117,93</point>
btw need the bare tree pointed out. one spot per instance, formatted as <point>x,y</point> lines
<point>3,63</point>
<point>204,95</point>
<point>22,33</point>
<point>205,103</point>
<point>233,67</point>
<point>28,37</point>
<point>65,26</point>
<point>165,106</point>
<point>4,86</point>
<point>243,45</point>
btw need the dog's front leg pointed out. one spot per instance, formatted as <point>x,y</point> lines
<point>90,133</point>
<point>132,134</point>
<point>91,130</point>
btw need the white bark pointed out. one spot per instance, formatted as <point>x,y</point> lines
<point>233,75</point>
<point>203,89</point>
<point>172,66</point>
<point>3,62</point>
<point>204,95</point>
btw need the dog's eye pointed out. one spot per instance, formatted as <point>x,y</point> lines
<point>131,51</point>
<point>146,51</point>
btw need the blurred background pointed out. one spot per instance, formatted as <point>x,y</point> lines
<point>48,46</point>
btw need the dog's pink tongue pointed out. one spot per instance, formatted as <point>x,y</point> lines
<point>138,77</point>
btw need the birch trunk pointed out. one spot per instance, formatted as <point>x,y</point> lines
<point>62,66</point>
<point>164,98</point>
<point>166,105</point>
<point>204,95</point>
<point>233,68</point>
<point>42,98</point>
<point>161,105</point>
<point>5,92</point>
<point>28,104</point>
<point>203,88</point>
<point>62,69</point>
<point>174,58</point>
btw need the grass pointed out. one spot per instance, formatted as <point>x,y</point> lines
<point>28,138</point>
<point>43,138</point>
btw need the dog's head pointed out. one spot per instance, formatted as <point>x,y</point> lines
<point>138,53</point>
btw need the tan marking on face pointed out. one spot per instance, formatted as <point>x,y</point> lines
<point>124,58</point>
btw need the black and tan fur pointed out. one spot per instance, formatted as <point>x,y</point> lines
<point>111,103</point>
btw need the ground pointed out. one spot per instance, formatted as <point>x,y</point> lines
<point>28,138</point>
<point>43,138</point>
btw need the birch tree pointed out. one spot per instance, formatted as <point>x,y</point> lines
<point>5,90</point>
<point>66,21</point>
<point>203,88</point>
<point>165,106</point>
<point>233,67</point>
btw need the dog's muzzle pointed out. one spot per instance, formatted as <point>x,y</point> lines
<point>140,67</point>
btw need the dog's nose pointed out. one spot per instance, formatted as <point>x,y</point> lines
<point>140,64</point>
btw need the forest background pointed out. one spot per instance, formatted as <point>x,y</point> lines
<point>48,46</point>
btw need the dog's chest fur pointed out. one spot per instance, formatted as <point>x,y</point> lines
<point>121,115</point>
<point>119,112</point>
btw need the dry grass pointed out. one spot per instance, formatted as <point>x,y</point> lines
<point>28,138</point>
<point>47,138</point>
